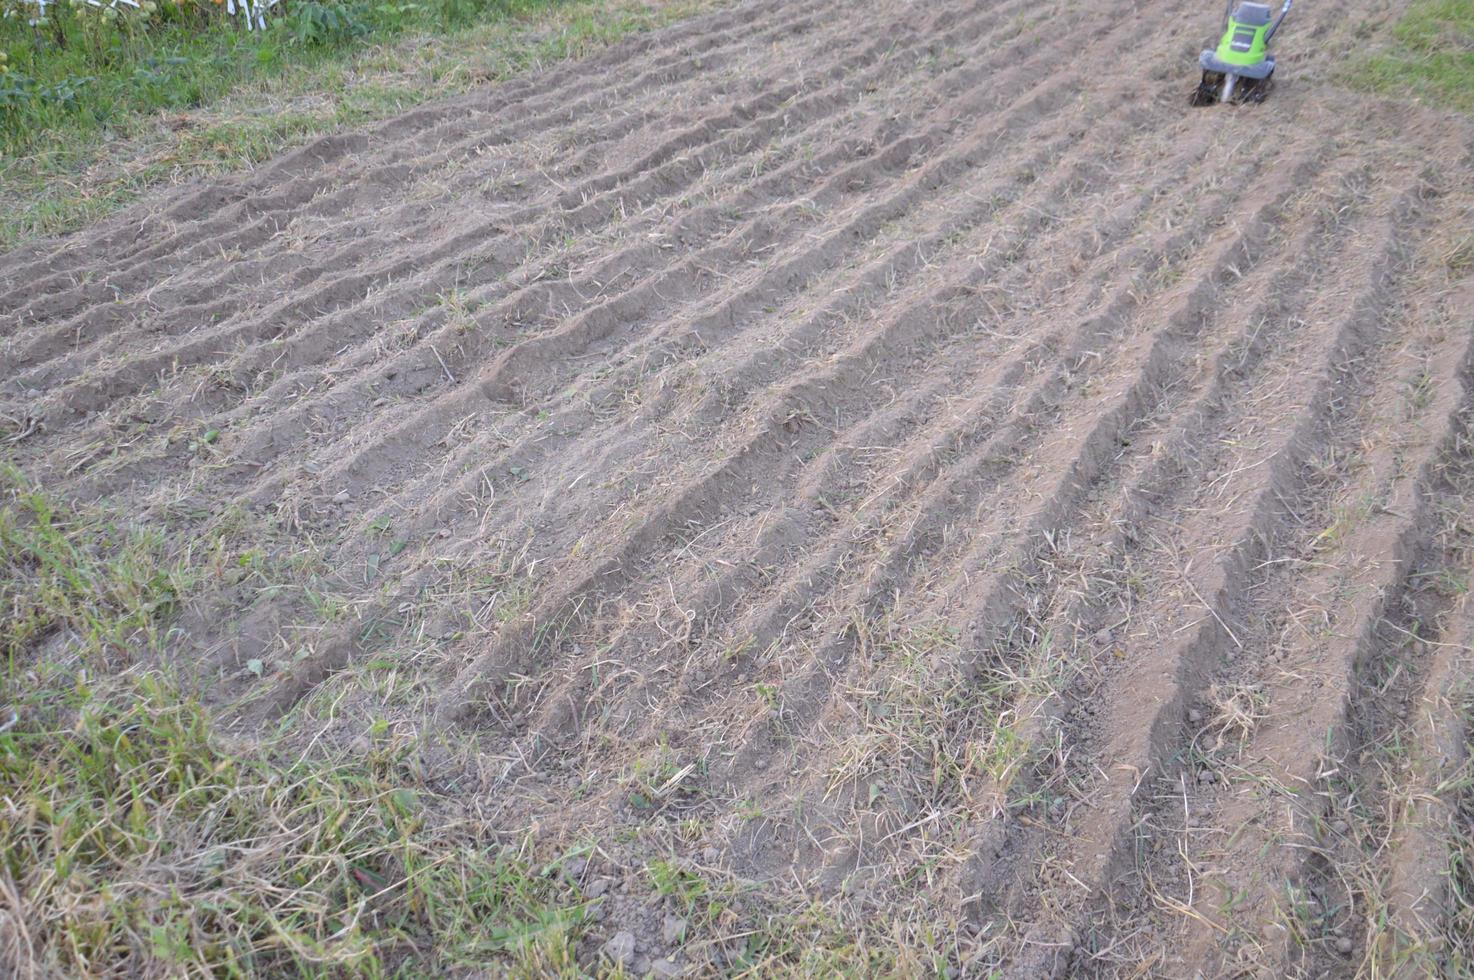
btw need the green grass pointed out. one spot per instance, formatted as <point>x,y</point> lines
<point>92,113</point>
<point>808,939</point>
<point>1431,55</point>
<point>134,840</point>
<point>1459,926</point>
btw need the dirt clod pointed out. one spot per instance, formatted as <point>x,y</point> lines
<point>620,949</point>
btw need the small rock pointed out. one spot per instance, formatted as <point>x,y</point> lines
<point>596,888</point>
<point>674,930</point>
<point>1340,827</point>
<point>574,867</point>
<point>1103,637</point>
<point>710,855</point>
<point>342,497</point>
<point>621,949</point>
<point>1207,776</point>
<point>1345,946</point>
<point>1195,716</point>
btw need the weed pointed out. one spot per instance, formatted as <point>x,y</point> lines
<point>687,888</point>
<point>661,778</point>
<point>95,589</point>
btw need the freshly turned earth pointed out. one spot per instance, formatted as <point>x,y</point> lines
<point>890,454</point>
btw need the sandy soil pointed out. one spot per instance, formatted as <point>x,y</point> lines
<point>890,454</point>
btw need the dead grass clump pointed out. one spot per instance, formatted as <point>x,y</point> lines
<point>1236,710</point>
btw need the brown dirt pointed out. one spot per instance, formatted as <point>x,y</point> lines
<point>893,454</point>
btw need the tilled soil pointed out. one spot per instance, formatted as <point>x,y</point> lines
<point>893,455</point>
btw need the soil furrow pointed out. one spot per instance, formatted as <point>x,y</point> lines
<point>335,150</point>
<point>856,511</point>
<point>1338,569</point>
<point>865,477</point>
<point>658,298</point>
<point>260,233</point>
<point>284,256</point>
<point>147,368</point>
<point>1142,728</point>
<point>1051,524</point>
<point>464,350</point>
<point>513,644</point>
<point>1081,566</point>
<point>1384,866</point>
<point>828,651</point>
<point>566,198</point>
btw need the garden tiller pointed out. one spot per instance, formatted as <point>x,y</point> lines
<point>1241,68</point>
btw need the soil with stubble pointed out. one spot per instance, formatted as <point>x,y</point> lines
<point>892,455</point>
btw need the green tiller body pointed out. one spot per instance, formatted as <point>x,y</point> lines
<point>1240,69</point>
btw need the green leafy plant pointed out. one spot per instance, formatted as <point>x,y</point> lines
<point>316,24</point>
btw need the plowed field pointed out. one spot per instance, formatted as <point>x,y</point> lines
<point>894,456</point>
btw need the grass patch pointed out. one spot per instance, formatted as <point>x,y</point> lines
<point>808,939</point>
<point>1431,55</point>
<point>1459,926</point>
<point>89,122</point>
<point>137,841</point>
